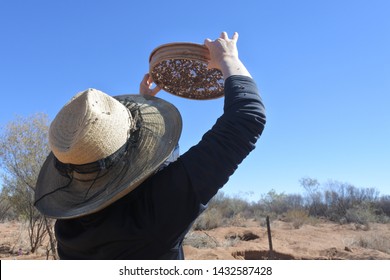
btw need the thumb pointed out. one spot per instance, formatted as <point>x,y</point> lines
<point>207,43</point>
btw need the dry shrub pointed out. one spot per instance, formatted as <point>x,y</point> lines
<point>375,242</point>
<point>297,217</point>
<point>314,221</point>
<point>199,239</point>
<point>361,214</point>
<point>209,219</point>
<point>236,221</point>
<point>230,242</point>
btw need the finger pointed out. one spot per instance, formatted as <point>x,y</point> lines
<point>235,37</point>
<point>155,90</point>
<point>145,79</point>
<point>207,41</point>
<point>150,80</point>
<point>224,36</point>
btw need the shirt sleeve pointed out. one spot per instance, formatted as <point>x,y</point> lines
<point>211,162</point>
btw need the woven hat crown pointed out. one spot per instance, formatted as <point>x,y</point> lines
<point>91,126</point>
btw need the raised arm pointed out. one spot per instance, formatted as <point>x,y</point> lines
<point>197,175</point>
<point>214,159</point>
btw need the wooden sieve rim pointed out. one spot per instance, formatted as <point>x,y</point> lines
<point>181,50</point>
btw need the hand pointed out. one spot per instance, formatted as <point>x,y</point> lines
<point>224,56</point>
<point>145,87</point>
<point>221,49</point>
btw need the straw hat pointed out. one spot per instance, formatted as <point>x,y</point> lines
<point>102,148</point>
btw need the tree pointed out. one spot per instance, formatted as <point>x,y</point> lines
<point>5,205</point>
<point>344,199</point>
<point>23,150</point>
<point>274,202</point>
<point>314,197</point>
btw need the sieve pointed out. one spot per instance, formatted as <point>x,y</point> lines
<point>181,69</point>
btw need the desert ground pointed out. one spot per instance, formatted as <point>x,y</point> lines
<point>323,240</point>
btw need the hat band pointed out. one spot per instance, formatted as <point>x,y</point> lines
<point>105,163</point>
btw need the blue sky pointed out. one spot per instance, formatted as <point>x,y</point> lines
<point>323,68</point>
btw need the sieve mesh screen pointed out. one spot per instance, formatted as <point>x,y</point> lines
<point>188,78</point>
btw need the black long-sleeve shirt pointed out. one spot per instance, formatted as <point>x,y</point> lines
<point>151,221</point>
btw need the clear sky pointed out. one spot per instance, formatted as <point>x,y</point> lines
<point>323,68</point>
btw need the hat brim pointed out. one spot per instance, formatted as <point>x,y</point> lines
<point>61,197</point>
